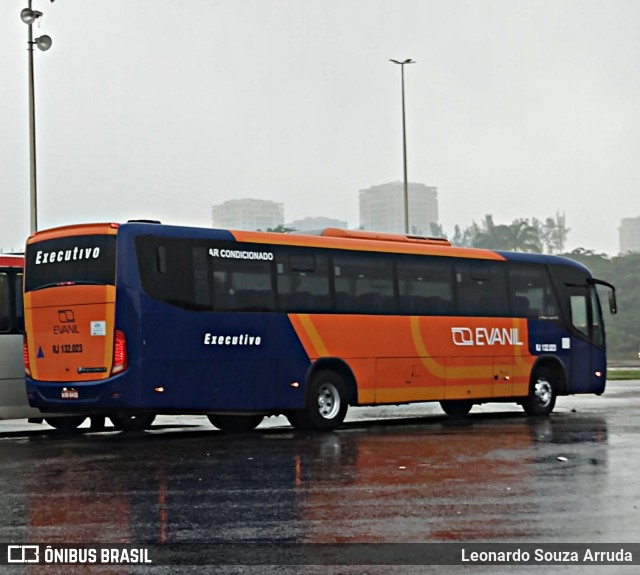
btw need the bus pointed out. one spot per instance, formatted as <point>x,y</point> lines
<point>140,318</point>
<point>13,397</point>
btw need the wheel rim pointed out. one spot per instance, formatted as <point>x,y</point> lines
<point>328,401</point>
<point>543,392</point>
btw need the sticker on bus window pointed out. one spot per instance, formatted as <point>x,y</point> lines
<point>98,328</point>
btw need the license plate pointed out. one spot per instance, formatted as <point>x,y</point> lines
<point>69,393</point>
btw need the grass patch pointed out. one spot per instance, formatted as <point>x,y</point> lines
<point>618,374</point>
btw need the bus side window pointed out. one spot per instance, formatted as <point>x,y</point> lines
<point>165,270</point>
<point>201,288</point>
<point>303,282</point>
<point>425,286</point>
<point>5,304</point>
<point>481,288</point>
<point>161,259</point>
<point>530,292</point>
<point>579,313</point>
<point>363,284</point>
<point>243,285</point>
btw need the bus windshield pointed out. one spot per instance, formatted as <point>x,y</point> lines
<point>88,259</point>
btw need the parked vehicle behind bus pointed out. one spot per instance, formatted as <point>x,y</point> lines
<point>139,319</point>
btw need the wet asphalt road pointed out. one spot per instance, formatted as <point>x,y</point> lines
<point>410,475</point>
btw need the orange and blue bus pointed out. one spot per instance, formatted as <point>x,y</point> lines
<point>139,319</point>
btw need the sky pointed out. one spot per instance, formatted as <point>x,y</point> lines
<point>160,109</point>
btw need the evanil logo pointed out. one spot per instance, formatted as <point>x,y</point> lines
<point>485,336</point>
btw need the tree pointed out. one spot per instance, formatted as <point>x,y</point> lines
<point>519,236</point>
<point>463,237</point>
<point>623,271</point>
<point>436,230</point>
<point>553,233</point>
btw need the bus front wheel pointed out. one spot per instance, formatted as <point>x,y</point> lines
<point>327,403</point>
<point>132,421</point>
<point>542,393</point>
<point>235,423</point>
<point>456,407</point>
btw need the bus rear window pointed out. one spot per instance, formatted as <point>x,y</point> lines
<point>74,259</point>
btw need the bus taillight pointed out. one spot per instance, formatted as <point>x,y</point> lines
<point>119,353</point>
<point>25,356</point>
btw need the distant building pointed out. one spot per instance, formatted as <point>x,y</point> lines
<point>248,214</point>
<point>629,235</point>
<point>382,208</point>
<point>318,223</point>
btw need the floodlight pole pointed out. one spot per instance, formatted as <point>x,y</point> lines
<point>404,146</point>
<point>32,136</point>
<point>29,16</point>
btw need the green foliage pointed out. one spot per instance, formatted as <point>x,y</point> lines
<point>522,235</point>
<point>623,271</point>
<point>622,374</point>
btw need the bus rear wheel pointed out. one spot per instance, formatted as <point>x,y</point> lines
<point>235,423</point>
<point>132,421</point>
<point>456,407</point>
<point>542,393</point>
<point>327,403</point>
<point>66,424</point>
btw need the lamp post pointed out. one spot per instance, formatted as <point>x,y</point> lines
<point>404,145</point>
<point>44,42</point>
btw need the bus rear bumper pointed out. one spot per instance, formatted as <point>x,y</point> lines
<point>73,397</point>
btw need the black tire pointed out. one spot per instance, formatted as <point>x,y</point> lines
<point>542,393</point>
<point>97,423</point>
<point>66,424</point>
<point>327,403</point>
<point>235,423</point>
<point>456,407</point>
<point>132,421</point>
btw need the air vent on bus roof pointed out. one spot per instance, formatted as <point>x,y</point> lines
<point>144,221</point>
<point>383,236</point>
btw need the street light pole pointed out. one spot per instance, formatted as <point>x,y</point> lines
<point>29,16</point>
<point>404,145</point>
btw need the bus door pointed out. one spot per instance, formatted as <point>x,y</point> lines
<point>586,341</point>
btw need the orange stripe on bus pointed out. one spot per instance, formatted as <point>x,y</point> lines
<point>363,245</point>
<point>412,358</point>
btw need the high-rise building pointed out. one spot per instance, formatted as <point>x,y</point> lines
<point>382,208</point>
<point>248,214</point>
<point>316,223</point>
<point>629,235</point>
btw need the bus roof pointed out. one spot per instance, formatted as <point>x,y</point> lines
<point>73,230</point>
<point>11,260</point>
<point>357,240</point>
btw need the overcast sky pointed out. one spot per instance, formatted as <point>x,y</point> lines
<point>162,108</point>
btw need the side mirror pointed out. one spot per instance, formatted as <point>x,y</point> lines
<point>613,304</point>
